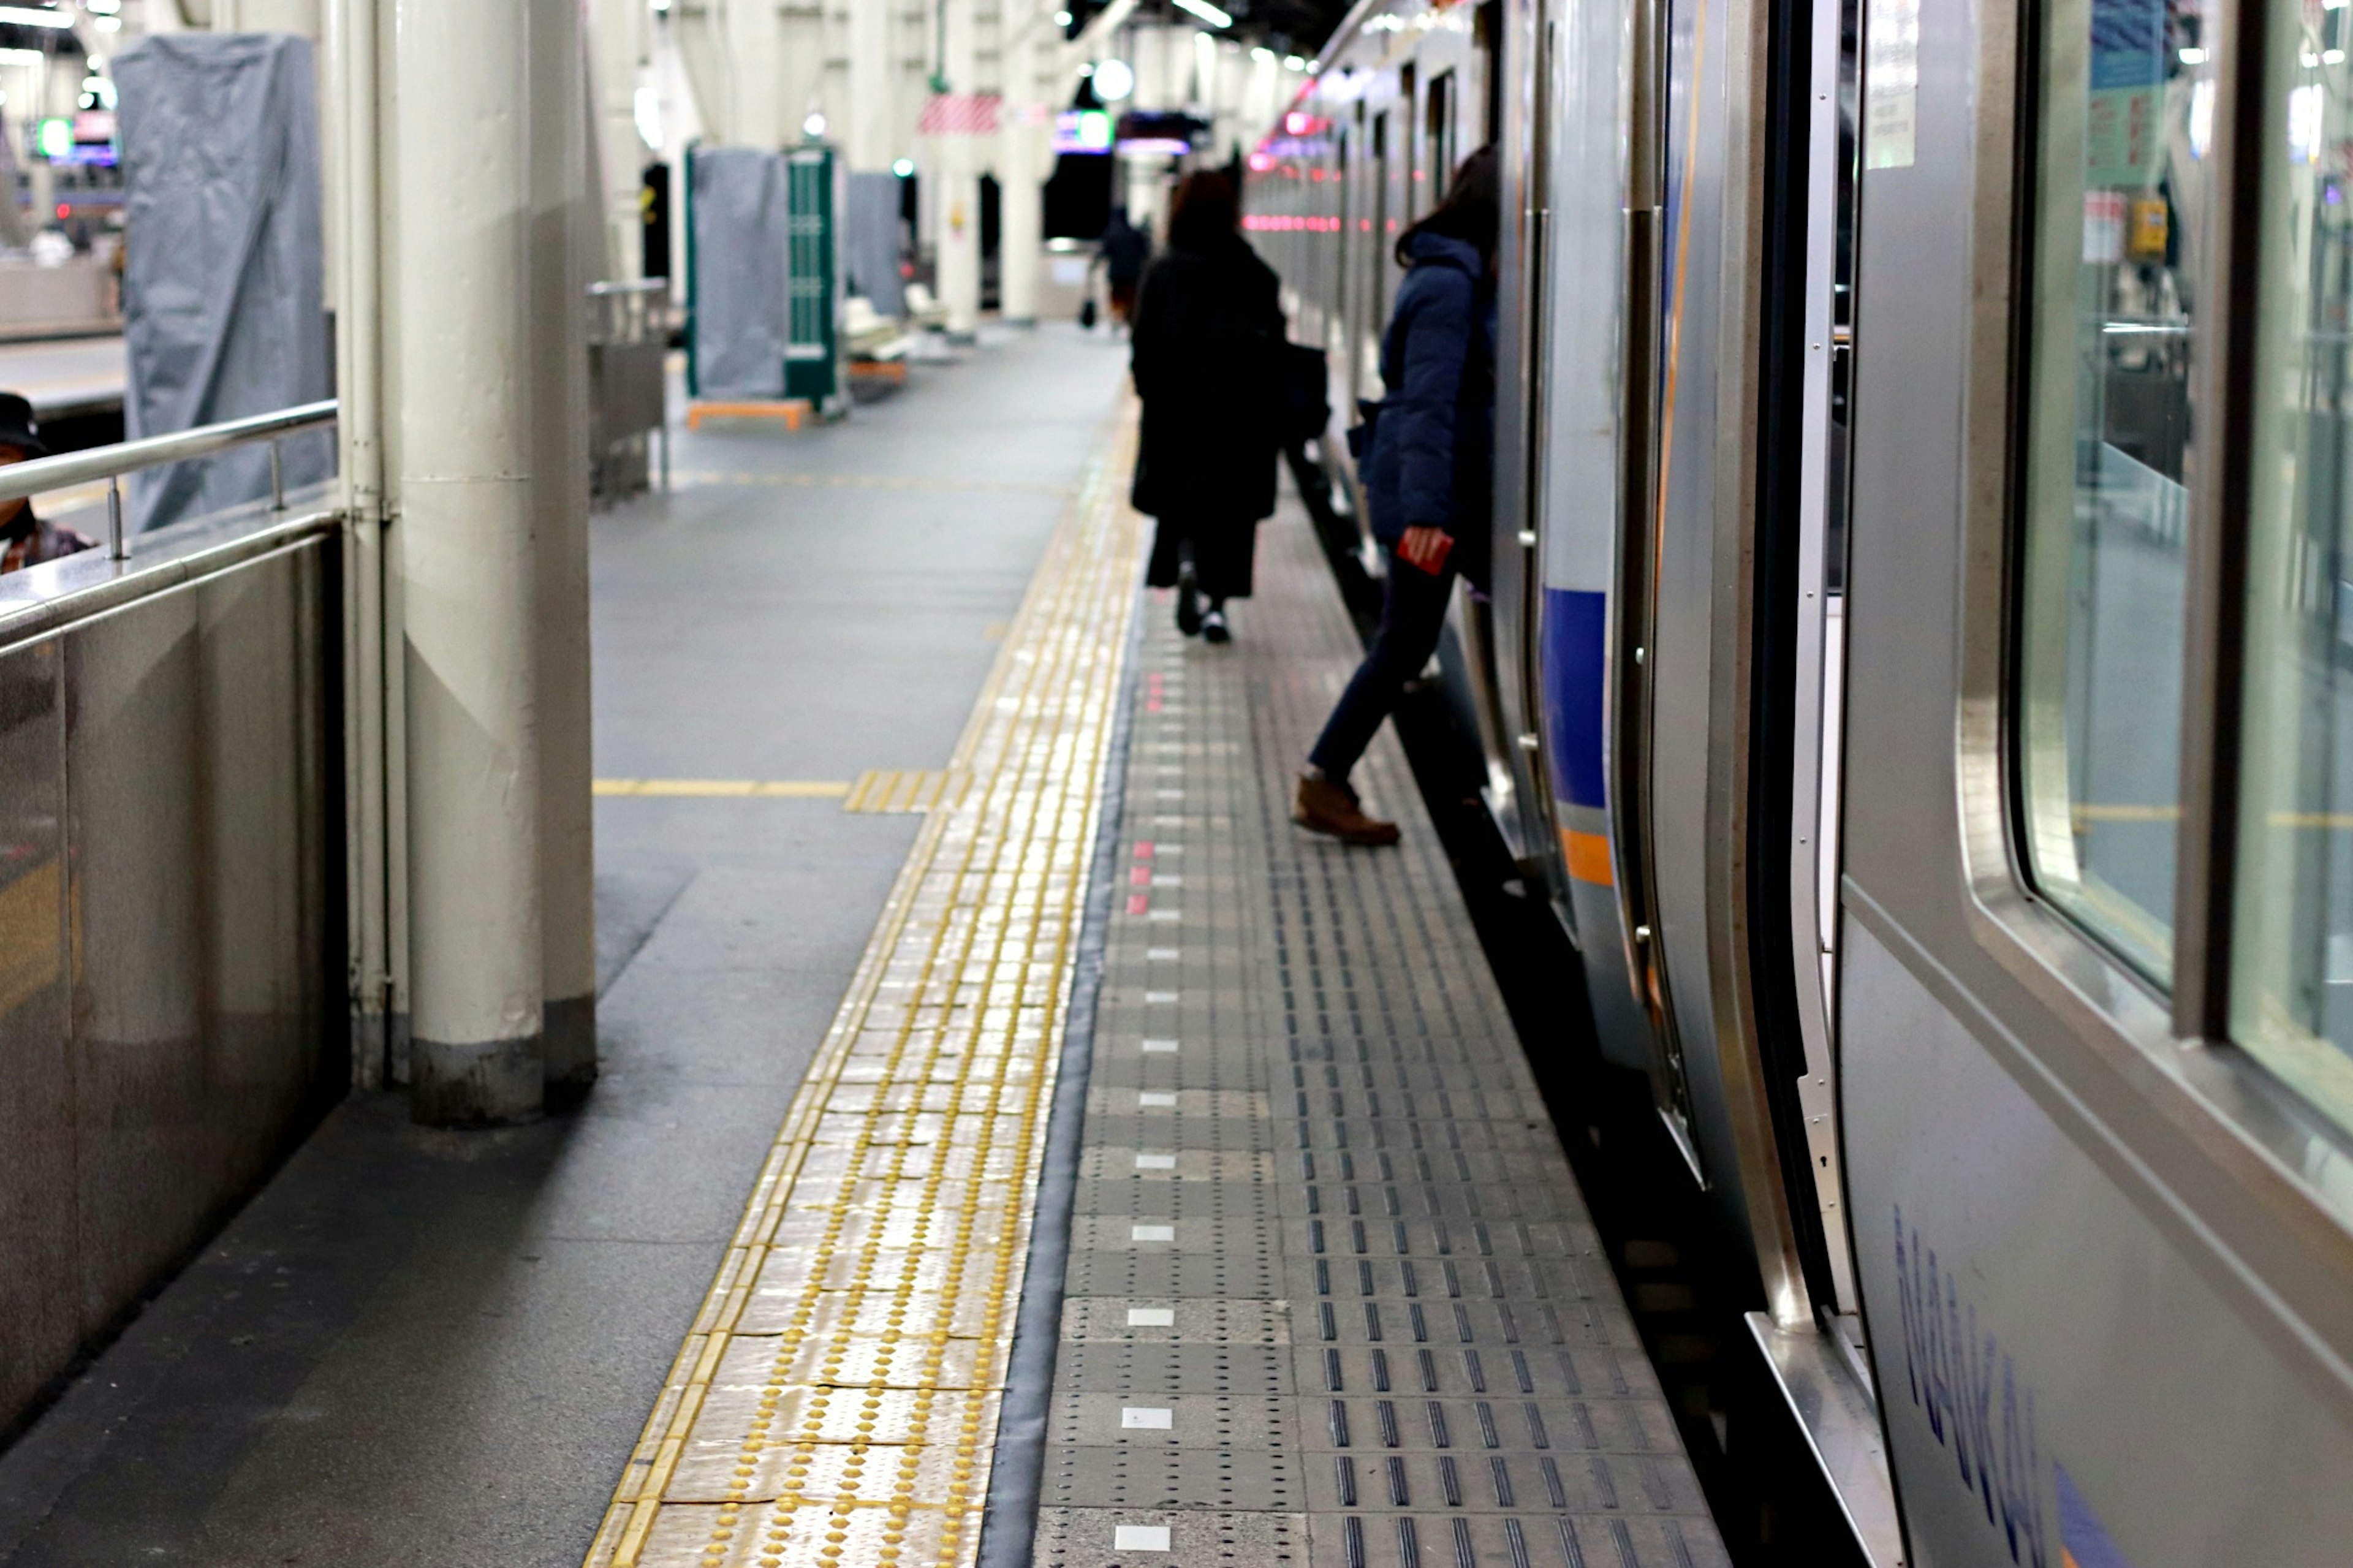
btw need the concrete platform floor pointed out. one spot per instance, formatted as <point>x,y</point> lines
<point>424,1349</point>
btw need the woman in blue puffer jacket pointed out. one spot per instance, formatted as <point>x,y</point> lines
<point>1427,470</point>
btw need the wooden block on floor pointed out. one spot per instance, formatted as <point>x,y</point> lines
<point>791,410</point>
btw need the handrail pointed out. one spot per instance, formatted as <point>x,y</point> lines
<point>19,481</point>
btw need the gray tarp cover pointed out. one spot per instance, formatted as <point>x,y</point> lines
<point>740,262</point>
<point>871,242</point>
<point>224,310</point>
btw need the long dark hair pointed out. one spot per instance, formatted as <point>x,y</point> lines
<point>1473,211</point>
<point>1205,212</point>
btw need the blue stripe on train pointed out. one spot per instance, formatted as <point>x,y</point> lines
<point>1574,628</point>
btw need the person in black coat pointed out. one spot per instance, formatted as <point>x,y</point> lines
<point>1209,324</point>
<point>1428,467</point>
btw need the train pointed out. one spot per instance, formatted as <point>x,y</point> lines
<point>1918,672</point>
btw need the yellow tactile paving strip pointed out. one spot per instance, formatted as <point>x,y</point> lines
<point>835,1401</point>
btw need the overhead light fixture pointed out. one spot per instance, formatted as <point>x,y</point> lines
<point>2193,57</point>
<point>1114,80</point>
<point>1262,55</point>
<point>1062,19</point>
<point>1206,12</point>
<point>814,126</point>
<point>662,8</point>
<point>26,17</point>
<point>904,168</point>
<point>1294,62</point>
<point>102,8</point>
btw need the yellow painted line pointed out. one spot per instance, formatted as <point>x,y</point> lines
<point>834,1400</point>
<point>699,478</point>
<point>785,789</point>
<point>906,790</point>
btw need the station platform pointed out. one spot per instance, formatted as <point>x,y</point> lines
<point>1017,1142</point>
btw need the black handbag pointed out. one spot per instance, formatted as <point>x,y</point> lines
<point>1305,381</point>
<point>1360,434</point>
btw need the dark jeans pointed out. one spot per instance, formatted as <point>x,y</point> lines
<point>1413,611</point>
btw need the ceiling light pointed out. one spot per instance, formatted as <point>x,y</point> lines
<point>26,17</point>
<point>1114,80</point>
<point>1207,12</point>
<point>904,168</point>
<point>1295,62</point>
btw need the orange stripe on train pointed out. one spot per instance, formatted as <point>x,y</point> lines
<point>1588,856</point>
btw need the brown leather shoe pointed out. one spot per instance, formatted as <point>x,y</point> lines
<point>1324,806</point>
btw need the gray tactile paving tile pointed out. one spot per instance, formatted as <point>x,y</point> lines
<point>1332,1296</point>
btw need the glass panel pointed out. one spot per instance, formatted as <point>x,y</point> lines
<point>2292,1003</point>
<point>2112,451</point>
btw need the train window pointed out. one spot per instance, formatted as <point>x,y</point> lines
<point>2111,445</point>
<point>2291,996</point>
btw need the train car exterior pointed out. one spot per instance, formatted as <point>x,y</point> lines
<point>1971,881</point>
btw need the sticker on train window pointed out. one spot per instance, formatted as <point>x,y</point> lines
<point>1891,84</point>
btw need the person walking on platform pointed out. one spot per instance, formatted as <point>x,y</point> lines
<point>1124,250</point>
<point>1426,457</point>
<point>1208,323</point>
<point>24,539</point>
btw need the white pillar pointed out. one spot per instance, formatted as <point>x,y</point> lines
<point>755,114</point>
<point>299,16</point>
<point>1022,146</point>
<point>617,34</point>
<point>465,528</point>
<point>564,226</point>
<point>866,140</point>
<point>959,240</point>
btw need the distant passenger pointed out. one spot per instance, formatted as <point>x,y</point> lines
<point>1208,323</point>
<point>1427,462</point>
<point>1124,250</point>
<point>29,540</point>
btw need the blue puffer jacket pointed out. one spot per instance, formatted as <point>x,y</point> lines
<point>1432,458</point>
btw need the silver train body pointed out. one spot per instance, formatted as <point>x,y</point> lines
<point>2052,1272</point>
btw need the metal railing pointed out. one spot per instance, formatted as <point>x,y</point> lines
<point>21,481</point>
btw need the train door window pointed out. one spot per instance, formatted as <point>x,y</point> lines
<point>1378,253</point>
<point>1412,203</point>
<point>2112,444</point>
<point>2292,994</point>
<point>1440,119</point>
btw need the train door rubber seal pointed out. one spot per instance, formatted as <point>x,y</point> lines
<point>1008,1526</point>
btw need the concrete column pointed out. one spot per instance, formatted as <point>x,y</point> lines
<point>469,601</point>
<point>616,30</point>
<point>299,16</point>
<point>755,42</point>
<point>866,140</point>
<point>959,192</point>
<point>563,229</point>
<point>1022,147</point>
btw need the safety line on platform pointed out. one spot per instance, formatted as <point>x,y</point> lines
<point>836,1397</point>
<point>699,478</point>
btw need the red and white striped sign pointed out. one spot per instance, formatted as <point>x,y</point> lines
<point>960,114</point>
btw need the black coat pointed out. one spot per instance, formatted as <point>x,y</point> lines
<point>1208,325</point>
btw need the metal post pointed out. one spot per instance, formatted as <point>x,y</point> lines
<point>277,478</point>
<point>116,545</point>
<point>567,228</point>
<point>470,590</point>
